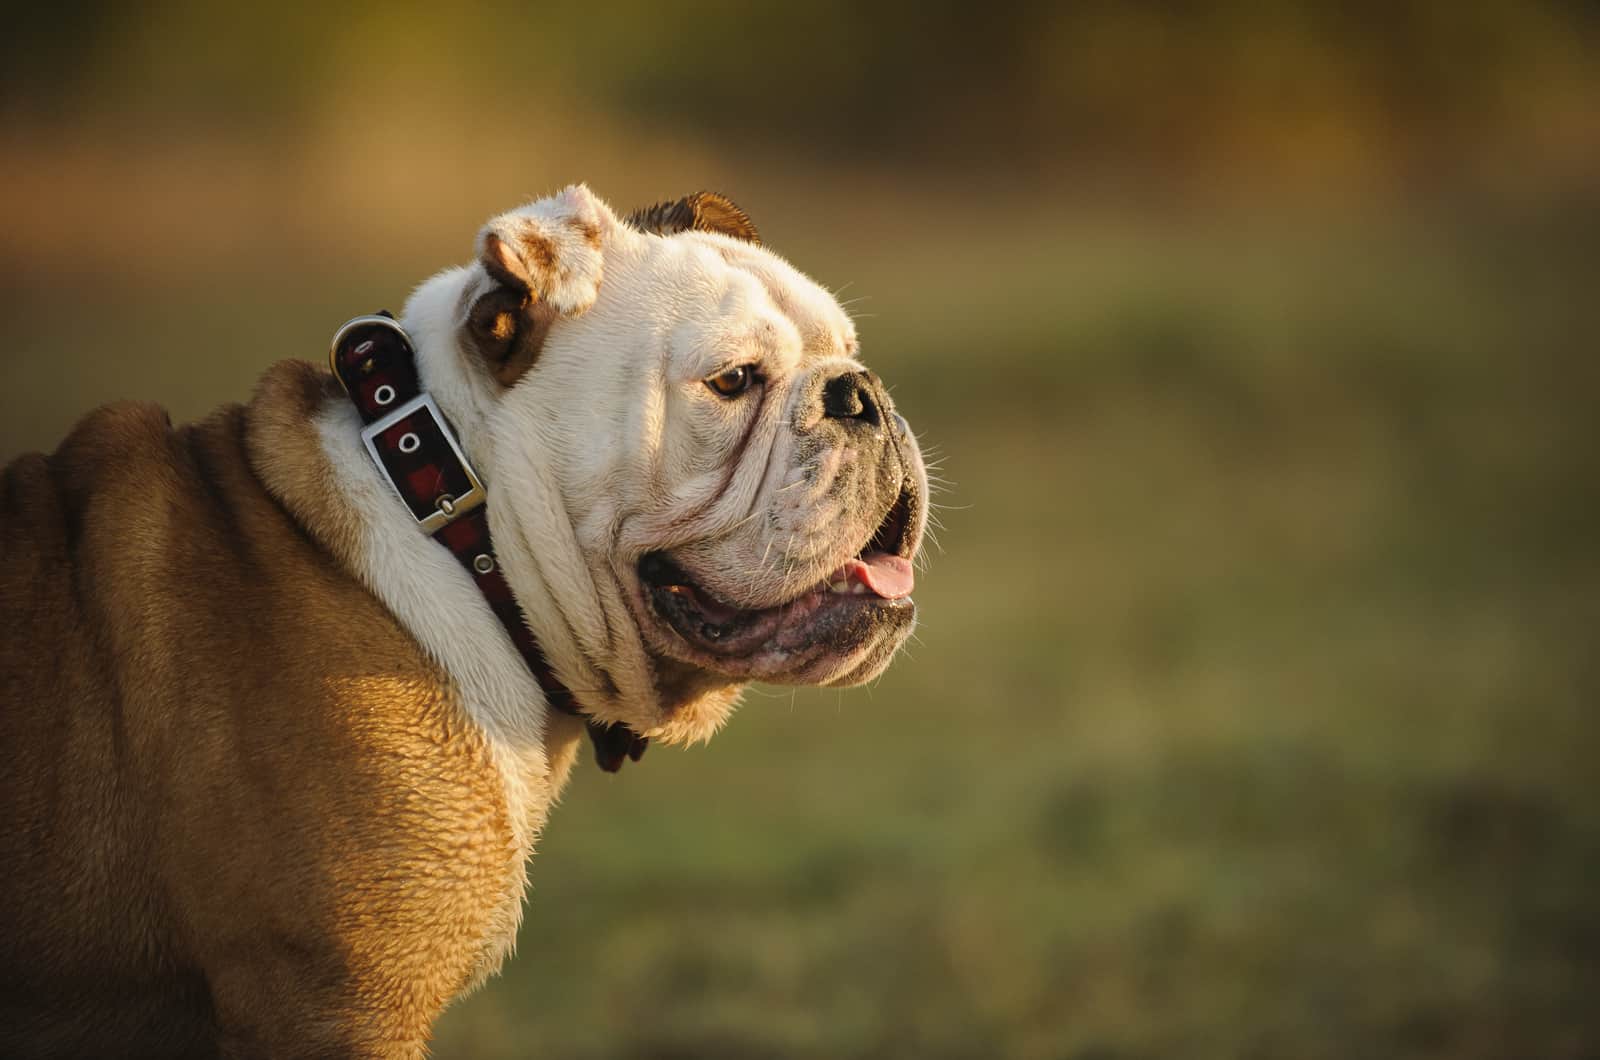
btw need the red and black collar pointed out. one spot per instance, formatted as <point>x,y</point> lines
<point>413,445</point>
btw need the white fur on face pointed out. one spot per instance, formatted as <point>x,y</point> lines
<point>611,446</point>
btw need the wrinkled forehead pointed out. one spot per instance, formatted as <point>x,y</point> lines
<point>737,300</point>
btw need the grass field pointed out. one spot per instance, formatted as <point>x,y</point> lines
<point>1251,710</point>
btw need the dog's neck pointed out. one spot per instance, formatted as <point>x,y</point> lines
<point>556,560</point>
<point>574,607</point>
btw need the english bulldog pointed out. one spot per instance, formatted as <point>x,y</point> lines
<point>276,758</point>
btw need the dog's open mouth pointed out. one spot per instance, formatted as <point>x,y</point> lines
<point>839,612</point>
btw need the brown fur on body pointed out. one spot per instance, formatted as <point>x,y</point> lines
<point>243,812</point>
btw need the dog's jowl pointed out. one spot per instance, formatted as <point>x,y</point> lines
<point>286,694</point>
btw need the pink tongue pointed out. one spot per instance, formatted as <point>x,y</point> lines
<point>889,576</point>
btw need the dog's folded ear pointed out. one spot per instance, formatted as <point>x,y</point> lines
<point>541,262</point>
<point>704,211</point>
<point>551,249</point>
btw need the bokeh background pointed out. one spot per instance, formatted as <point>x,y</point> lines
<point>1252,709</point>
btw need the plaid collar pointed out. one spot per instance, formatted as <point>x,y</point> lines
<point>413,445</point>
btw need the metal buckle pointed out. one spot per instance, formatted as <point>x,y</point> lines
<point>361,322</point>
<point>449,508</point>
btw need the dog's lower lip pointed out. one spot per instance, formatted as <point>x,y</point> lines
<point>726,631</point>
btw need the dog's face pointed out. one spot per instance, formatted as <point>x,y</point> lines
<point>694,482</point>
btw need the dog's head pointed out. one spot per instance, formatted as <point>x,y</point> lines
<point>693,481</point>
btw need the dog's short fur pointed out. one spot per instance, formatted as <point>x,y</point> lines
<point>273,769</point>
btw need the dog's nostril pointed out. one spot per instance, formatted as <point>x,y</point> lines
<point>900,424</point>
<point>849,397</point>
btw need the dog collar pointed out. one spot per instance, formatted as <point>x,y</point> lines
<point>411,442</point>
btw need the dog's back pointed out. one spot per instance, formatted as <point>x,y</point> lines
<point>83,945</point>
<point>243,811</point>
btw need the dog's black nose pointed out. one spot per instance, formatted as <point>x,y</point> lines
<point>852,396</point>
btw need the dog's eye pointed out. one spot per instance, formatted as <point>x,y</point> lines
<point>733,382</point>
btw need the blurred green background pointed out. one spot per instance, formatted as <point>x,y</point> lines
<point>1252,709</point>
